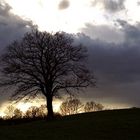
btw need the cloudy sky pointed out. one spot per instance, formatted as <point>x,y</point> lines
<point>109,28</point>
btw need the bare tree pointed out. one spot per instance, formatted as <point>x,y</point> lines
<point>45,63</point>
<point>17,113</point>
<point>89,106</point>
<point>93,106</point>
<point>9,111</point>
<point>71,106</point>
<point>42,111</point>
<point>32,112</point>
<point>12,112</point>
<point>28,113</point>
<point>64,109</point>
<point>99,107</point>
<point>35,111</point>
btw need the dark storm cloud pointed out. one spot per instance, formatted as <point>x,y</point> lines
<point>116,62</point>
<point>111,5</point>
<point>103,32</point>
<point>11,26</point>
<point>132,32</point>
<point>64,4</point>
<point>116,65</point>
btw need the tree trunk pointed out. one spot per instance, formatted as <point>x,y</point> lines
<point>50,114</point>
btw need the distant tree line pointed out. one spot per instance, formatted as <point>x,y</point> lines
<point>12,112</point>
<point>73,106</point>
<point>70,106</point>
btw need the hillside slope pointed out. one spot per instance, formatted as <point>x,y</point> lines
<point>105,125</point>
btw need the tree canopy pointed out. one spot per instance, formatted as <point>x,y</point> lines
<point>46,63</point>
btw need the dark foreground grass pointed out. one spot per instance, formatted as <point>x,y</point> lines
<point>105,125</point>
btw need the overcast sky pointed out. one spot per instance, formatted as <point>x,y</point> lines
<point>109,28</point>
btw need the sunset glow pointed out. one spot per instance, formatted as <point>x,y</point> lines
<point>110,29</point>
<point>69,69</point>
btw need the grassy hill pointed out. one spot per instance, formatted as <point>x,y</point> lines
<point>106,125</point>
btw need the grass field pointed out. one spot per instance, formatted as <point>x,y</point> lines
<point>105,125</point>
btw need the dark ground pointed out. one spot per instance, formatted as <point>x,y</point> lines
<point>106,125</point>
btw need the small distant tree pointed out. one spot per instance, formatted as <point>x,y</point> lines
<point>64,108</point>
<point>93,106</point>
<point>28,114</point>
<point>17,113</point>
<point>32,112</point>
<point>42,111</point>
<point>9,111</point>
<point>89,106</point>
<point>99,107</point>
<point>45,63</point>
<point>70,106</point>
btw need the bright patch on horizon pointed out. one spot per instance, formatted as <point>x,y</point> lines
<point>25,106</point>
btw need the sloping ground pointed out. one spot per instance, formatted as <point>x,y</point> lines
<point>105,125</point>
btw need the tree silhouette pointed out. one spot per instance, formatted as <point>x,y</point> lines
<point>13,112</point>
<point>9,111</point>
<point>93,106</point>
<point>42,111</point>
<point>99,107</point>
<point>32,112</point>
<point>70,106</point>
<point>35,111</point>
<point>89,106</point>
<point>45,63</point>
<point>17,113</point>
